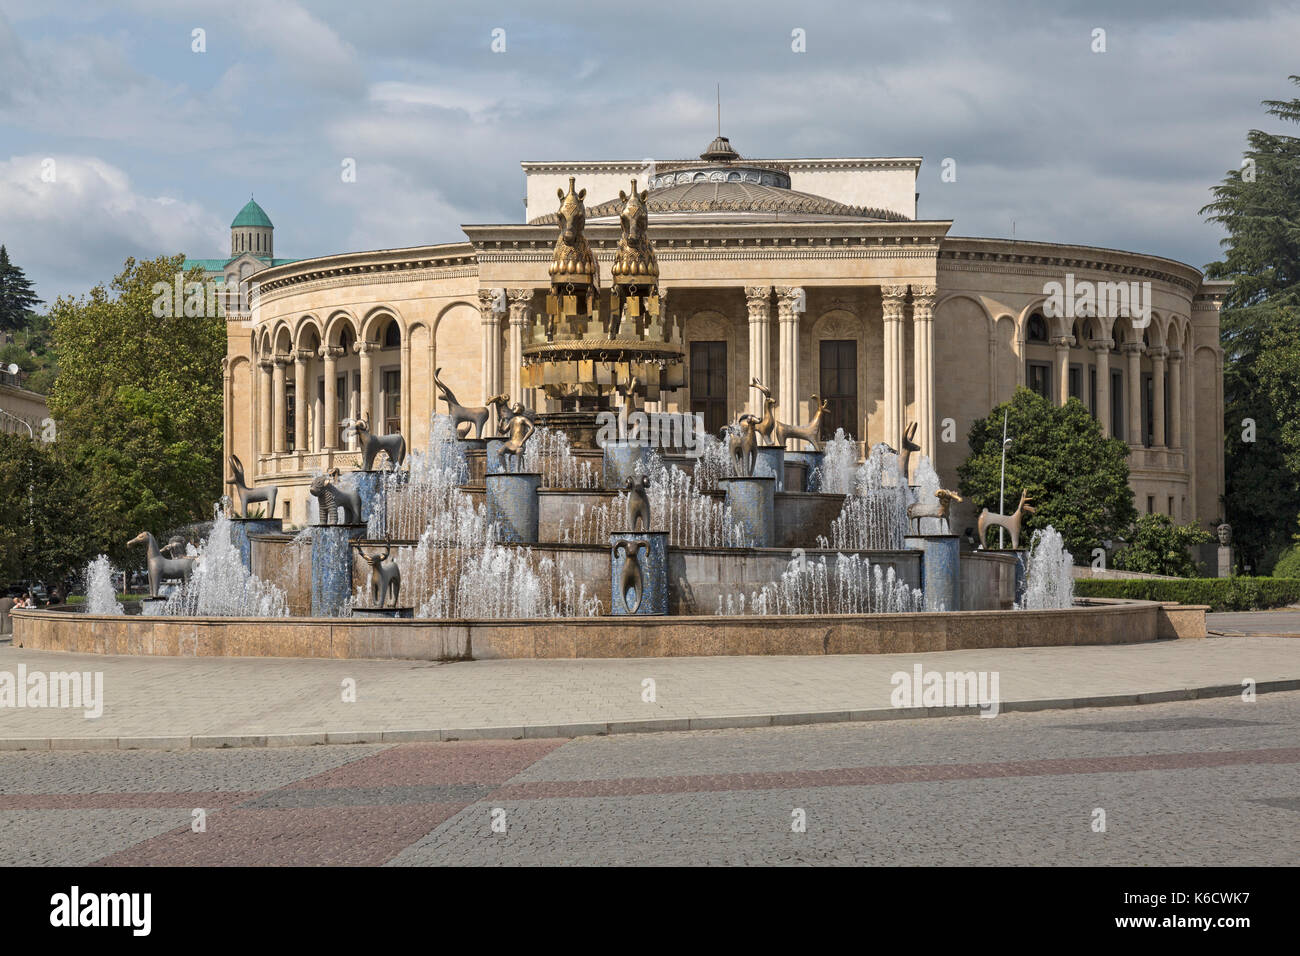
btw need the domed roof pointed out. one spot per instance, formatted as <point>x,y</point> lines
<point>720,151</point>
<point>252,215</point>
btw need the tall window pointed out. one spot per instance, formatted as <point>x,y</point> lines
<point>1148,409</point>
<point>709,383</point>
<point>392,402</point>
<point>1038,375</point>
<point>290,400</point>
<point>1037,328</point>
<point>839,386</point>
<point>1076,382</point>
<point>1092,391</point>
<point>342,400</point>
<point>392,336</point>
<point>1117,403</point>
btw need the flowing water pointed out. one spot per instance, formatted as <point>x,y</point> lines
<point>1049,581</point>
<point>850,584</point>
<point>221,586</point>
<point>101,592</point>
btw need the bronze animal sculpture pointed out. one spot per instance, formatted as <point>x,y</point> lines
<point>939,509</point>
<point>521,429</point>
<point>767,424</point>
<point>394,446</point>
<point>811,433</point>
<point>742,444</point>
<point>174,548</point>
<point>385,577</point>
<point>638,503</point>
<point>630,578</point>
<point>1012,522</point>
<point>501,404</point>
<point>249,495</point>
<point>909,446</point>
<point>333,497</point>
<point>572,261</point>
<point>476,415</point>
<point>631,426</point>
<point>162,568</point>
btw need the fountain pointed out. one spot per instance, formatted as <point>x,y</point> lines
<point>101,593</point>
<point>507,538</point>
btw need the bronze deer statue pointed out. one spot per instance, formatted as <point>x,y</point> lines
<point>1012,522</point>
<point>767,424</point>
<point>938,509</point>
<point>247,495</point>
<point>476,415</point>
<point>811,433</point>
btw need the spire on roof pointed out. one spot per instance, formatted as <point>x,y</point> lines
<point>720,151</point>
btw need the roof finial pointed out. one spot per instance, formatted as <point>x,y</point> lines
<point>719,109</point>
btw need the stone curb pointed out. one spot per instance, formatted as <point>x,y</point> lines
<point>654,725</point>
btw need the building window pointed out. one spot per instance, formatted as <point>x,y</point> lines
<point>1076,382</point>
<point>1037,328</point>
<point>341,400</point>
<point>290,400</point>
<point>392,402</point>
<point>1038,375</point>
<point>1092,391</point>
<point>709,383</point>
<point>1171,506</point>
<point>1117,403</point>
<point>392,336</point>
<point>1151,504</point>
<point>839,386</point>
<point>1148,409</point>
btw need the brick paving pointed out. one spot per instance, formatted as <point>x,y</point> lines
<point>1193,782</point>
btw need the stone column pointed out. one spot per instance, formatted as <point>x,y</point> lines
<point>266,410</point>
<point>1063,343</point>
<point>489,301</point>
<point>923,365</point>
<point>521,306</point>
<point>758,301</point>
<point>1102,347</point>
<point>1175,440</point>
<point>893,299</point>
<point>1158,396</point>
<point>1134,352</point>
<point>789,299</point>
<point>279,427</point>
<point>331,354</point>
<point>300,360</point>
<point>367,352</point>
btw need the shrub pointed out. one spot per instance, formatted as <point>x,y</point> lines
<point>1221,594</point>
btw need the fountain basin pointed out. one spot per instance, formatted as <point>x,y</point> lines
<point>1112,622</point>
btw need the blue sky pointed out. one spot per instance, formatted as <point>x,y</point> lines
<point>156,147</point>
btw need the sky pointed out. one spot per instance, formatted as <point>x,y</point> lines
<point>118,138</point>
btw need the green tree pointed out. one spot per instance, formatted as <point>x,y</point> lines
<point>1259,206</point>
<point>138,404</point>
<point>16,295</point>
<point>44,527</point>
<point>1158,546</point>
<point>1077,478</point>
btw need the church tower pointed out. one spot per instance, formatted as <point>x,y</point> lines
<point>252,232</point>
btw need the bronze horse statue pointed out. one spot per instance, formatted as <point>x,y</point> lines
<point>572,261</point>
<point>162,568</point>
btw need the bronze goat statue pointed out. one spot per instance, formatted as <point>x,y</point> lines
<point>247,495</point>
<point>1012,522</point>
<point>476,415</point>
<point>385,577</point>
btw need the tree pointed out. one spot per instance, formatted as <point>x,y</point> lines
<point>1259,205</point>
<point>1158,546</point>
<point>16,295</point>
<point>1077,478</point>
<point>138,403</point>
<point>44,527</point>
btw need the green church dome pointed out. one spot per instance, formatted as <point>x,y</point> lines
<point>252,215</point>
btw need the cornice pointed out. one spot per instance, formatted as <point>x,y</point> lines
<point>1023,257</point>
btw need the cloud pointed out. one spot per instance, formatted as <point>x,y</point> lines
<point>76,230</point>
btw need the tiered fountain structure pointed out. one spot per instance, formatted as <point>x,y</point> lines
<point>556,535</point>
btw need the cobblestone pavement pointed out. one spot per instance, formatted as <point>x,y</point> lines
<point>1197,782</point>
<point>154,697</point>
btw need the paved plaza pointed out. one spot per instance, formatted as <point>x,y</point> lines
<point>1193,782</point>
<point>167,702</point>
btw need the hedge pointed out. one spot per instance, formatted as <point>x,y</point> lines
<point>1221,594</point>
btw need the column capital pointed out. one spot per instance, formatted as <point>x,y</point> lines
<point>1158,353</point>
<point>365,348</point>
<point>1101,345</point>
<point>758,299</point>
<point>491,302</point>
<point>1175,355</point>
<point>331,352</point>
<point>893,297</point>
<point>303,356</point>
<point>788,296</point>
<point>280,361</point>
<point>265,364</point>
<point>1132,348</point>
<point>923,303</point>
<point>1063,341</point>
<point>920,292</point>
<point>518,296</point>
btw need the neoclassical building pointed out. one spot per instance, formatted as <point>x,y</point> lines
<point>813,275</point>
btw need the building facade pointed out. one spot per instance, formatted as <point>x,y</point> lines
<point>812,275</point>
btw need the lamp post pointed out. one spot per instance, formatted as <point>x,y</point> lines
<point>1002,482</point>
